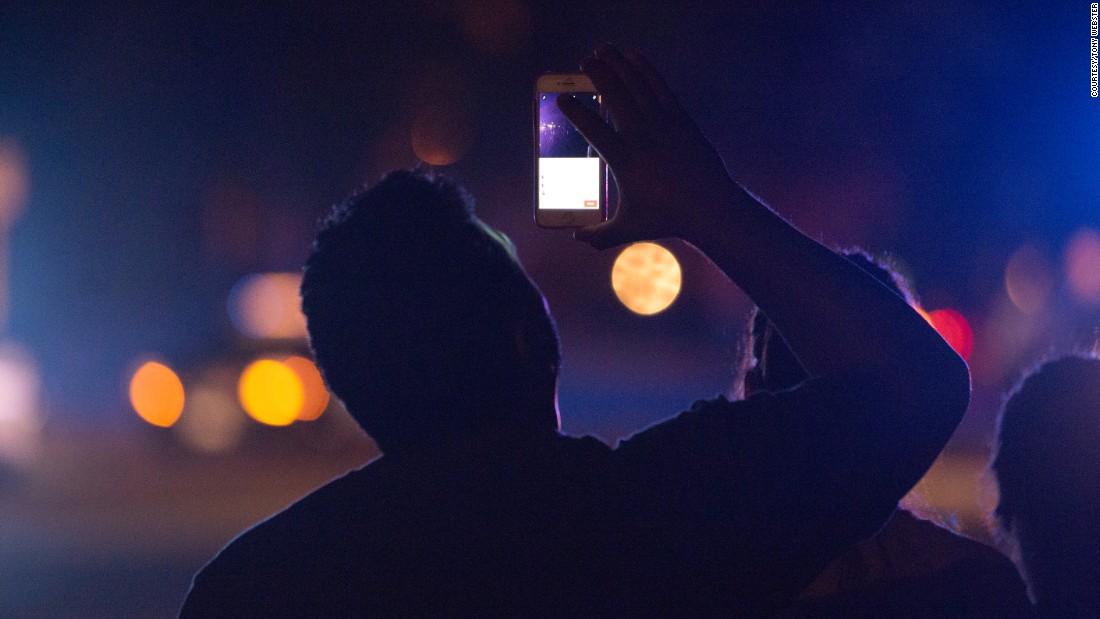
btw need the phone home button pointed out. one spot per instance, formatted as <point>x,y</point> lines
<point>568,218</point>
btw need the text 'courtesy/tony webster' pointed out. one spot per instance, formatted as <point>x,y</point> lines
<point>1094,26</point>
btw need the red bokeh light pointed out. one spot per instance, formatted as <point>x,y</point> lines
<point>954,328</point>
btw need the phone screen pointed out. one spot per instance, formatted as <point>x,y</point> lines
<point>568,168</point>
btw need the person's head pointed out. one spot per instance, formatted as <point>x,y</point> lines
<point>769,363</point>
<point>422,320</point>
<point>1047,467</point>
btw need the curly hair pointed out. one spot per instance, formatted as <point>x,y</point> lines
<point>420,316</point>
<point>769,365</point>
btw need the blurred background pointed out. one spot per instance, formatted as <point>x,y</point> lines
<point>163,167</point>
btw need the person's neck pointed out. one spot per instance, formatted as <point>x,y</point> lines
<point>510,433</point>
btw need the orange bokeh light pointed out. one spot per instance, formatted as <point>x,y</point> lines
<point>14,182</point>
<point>439,139</point>
<point>923,314</point>
<point>442,123</point>
<point>156,394</point>
<point>954,328</point>
<point>646,278</point>
<point>271,392</point>
<point>315,396</point>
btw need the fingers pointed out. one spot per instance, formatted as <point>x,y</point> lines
<point>616,95</point>
<point>593,128</point>
<point>632,79</point>
<point>635,92</point>
<point>657,86</point>
<point>646,121</point>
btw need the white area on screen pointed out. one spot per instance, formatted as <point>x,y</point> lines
<point>569,182</point>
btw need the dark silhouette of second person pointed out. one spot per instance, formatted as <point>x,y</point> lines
<point>912,568</point>
<point>426,326</point>
<point>1047,467</point>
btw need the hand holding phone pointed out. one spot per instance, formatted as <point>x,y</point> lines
<point>670,178</point>
<point>570,177</point>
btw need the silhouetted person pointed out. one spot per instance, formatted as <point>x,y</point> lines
<point>426,326</point>
<point>1047,466</point>
<point>911,567</point>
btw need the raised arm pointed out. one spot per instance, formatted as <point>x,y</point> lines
<point>836,319</point>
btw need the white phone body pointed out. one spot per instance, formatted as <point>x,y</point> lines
<point>570,178</point>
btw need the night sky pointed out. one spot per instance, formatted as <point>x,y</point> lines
<point>176,147</point>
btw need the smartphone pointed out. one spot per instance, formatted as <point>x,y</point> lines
<point>570,178</point>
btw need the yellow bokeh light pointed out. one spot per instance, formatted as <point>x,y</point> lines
<point>315,395</point>
<point>271,392</point>
<point>646,278</point>
<point>156,393</point>
<point>268,306</point>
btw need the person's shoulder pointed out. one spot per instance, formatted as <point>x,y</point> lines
<point>769,412</point>
<point>555,462</point>
<point>956,557</point>
<point>700,409</point>
<point>584,447</point>
<point>324,505</point>
<point>799,438</point>
<point>942,542</point>
<point>705,422</point>
<point>253,567</point>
